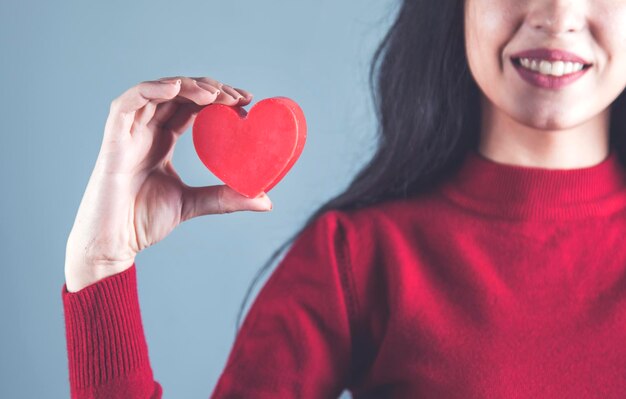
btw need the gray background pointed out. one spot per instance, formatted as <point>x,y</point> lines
<point>64,61</point>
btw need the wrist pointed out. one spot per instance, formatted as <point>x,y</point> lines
<point>80,273</point>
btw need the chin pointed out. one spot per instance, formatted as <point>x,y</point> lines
<point>547,119</point>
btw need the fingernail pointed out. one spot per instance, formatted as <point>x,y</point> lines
<point>232,92</point>
<point>175,81</point>
<point>245,92</point>
<point>207,87</point>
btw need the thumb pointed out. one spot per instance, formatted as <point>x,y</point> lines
<point>218,199</point>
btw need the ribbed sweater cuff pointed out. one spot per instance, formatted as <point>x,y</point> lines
<point>104,332</point>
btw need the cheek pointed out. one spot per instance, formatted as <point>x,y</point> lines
<point>616,39</point>
<point>489,25</point>
<point>609,31</point>
<point>610,24</point>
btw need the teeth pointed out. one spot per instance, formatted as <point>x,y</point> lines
<point>556,68</point>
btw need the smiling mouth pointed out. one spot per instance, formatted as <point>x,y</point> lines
<point>551,75</point>
<point>553,68</point>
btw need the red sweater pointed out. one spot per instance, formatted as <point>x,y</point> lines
<point>503,282</point>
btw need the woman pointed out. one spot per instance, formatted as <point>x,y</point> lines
<point>478,255</point>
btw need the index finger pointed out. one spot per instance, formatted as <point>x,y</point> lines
<point>139,95</point>
<point>123,108</point>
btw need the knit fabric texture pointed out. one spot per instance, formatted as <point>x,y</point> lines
<point>503,281</point>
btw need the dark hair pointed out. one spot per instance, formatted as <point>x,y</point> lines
<point>428,110</point>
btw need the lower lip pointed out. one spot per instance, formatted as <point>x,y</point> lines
<point>548,82</point>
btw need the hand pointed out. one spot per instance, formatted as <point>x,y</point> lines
<point>134,197</point>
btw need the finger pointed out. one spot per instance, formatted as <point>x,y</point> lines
<point>139,95</point>
<point>170,116</point>
<point>182,118</point>
<point>211,81</point>
<point>145,114</point>
<point>228,95</point>
<point>231,90</point>
<point>166,111</point>
<point>207,86</point>
<point>244,93</point>
<point>192,92</point>
<point>123,108</point>
<point>233,93</point>
<point>238,97</point>
<point>246,97</point>
<point>227,99</point>
<point>169,78</point>
<point>219,199</point>
<point>166,135</point>
<point>163,113</point>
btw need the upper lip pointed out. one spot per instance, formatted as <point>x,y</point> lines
<point>549,54</point>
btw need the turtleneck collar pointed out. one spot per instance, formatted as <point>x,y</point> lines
<point>520,192</point>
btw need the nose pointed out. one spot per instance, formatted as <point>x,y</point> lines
<point>556,17</point>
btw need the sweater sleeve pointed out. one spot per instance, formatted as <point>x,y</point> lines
<point>295,341</point>
<point>106,346</point>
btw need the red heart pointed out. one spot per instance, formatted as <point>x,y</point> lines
<point>250,152</point>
